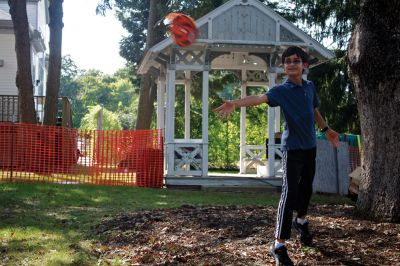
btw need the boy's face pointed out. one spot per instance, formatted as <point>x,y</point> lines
<point>294,66</point>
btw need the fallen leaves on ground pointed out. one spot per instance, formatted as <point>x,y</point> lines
<point>241,235</point>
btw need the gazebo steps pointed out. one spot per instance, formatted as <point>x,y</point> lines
<point>248,183</point>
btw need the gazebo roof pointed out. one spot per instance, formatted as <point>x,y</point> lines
<point>243,27</point>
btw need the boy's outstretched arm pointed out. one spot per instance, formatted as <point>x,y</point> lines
<point>228,107</point>
<point>331,134</point>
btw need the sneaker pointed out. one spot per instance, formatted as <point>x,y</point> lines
<point>302,229</point>
<point>281,256</point>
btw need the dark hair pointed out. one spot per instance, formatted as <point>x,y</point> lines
<point>297,51</point>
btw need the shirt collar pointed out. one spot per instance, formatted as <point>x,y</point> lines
<point>291,85</point>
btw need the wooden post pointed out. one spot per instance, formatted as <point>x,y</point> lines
<point>187,104</point>
<point>243,124</point>
<point>100,119</point>
<point>205,123</point>
<point>170,122</point>
<point>66,112</point>
<point>271,130</point>
<point>160,102</point>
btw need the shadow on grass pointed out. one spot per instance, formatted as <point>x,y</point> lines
<point>49,224</point>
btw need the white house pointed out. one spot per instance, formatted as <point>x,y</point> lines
<point>38,18</point>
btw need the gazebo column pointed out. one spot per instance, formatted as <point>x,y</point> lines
<point>188,84</point>
<point>271,130</point>
<point>243,124</point>
<point>160,102</point>
<point>170,122</point>
<point>205,122</point>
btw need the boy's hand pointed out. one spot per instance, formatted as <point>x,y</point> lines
<point>225,109</point>
<point>333,137</point>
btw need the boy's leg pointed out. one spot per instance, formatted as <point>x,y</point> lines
<point>304,196</point>
<point>291,172</point>
<point>292,165</point>
<point>305,183</point>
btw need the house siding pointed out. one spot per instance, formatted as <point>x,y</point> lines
<point>4,6</point>
<point>31,10</point>
<point>36,11</point>
<point>42,21</point>
<point>9,70</point>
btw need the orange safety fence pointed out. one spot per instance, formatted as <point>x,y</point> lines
<point>35,153</point>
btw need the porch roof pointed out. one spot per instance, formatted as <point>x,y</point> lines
<point>4,15</point>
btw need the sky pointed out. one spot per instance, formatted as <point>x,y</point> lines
<point>91,40</point>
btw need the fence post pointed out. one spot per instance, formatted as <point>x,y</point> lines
<point>100,119</point>
<point>66,112</point>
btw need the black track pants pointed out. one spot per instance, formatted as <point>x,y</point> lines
<point>298,175</point>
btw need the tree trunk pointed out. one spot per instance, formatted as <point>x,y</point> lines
<point>27,113</point>
<point>147,85</point>
<point>374,60</point>
<point>54,73</point>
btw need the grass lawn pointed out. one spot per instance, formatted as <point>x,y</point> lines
<point>50,224</point>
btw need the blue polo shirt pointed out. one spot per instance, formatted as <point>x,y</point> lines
<point>298,104</point>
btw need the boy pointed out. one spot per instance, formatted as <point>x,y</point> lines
<point>299,102</point>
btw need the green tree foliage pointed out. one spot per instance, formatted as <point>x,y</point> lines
<point>116,93</point>
<point>95,89</point>
<point>70,87</point>
<point>338,100</point>
<point>323,19</point>
<point>110,120</point>
<point>224,138</point>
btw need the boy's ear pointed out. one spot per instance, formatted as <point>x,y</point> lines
<point>306,65</point>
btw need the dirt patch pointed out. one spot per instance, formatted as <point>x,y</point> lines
<point>237,235</point>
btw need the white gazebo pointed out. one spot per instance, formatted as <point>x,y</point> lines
<point>244,36</point>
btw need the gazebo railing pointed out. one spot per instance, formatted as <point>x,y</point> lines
<point>257,158</point>
<point>188,157</point>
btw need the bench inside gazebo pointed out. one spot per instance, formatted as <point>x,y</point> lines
<point>244,36</point>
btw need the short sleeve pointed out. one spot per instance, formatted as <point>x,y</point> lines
<point>273,97</point>
<point>316,101</point>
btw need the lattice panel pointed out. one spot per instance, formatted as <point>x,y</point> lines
<point>255,155</point>
<point>187,57</point>
<point>188,157</point>
<point>256,158</point>
<point>256,75</point>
